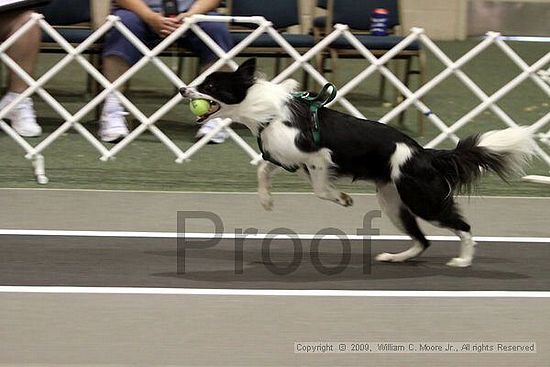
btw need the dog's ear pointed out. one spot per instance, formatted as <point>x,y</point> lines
<point>247,69</point>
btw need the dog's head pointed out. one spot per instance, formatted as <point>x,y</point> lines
<point>223,89</point>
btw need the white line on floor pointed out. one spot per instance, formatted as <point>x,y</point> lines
<point>305,193</point>
<point>124,234</point>
<point>272,292</point>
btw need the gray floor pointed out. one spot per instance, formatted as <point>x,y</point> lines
<point>133,330</point>
<point>172,330</point>
<point>302,213</point>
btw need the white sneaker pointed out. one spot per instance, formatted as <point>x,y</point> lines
<point>22,116</point>
<point>112,124</point>
<point>209,126</point>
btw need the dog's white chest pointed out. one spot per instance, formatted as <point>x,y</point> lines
<point>278,141</point>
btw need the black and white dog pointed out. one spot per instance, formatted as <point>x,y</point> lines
<point>411,181</point>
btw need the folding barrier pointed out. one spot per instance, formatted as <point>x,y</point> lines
<point>545,75</point>
<point>534,72</point>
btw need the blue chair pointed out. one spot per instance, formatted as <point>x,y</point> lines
<point>356,14</point>
<point>71,14</point>
<point>283,14</point>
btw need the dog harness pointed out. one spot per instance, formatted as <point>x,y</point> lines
<point>314,103</point>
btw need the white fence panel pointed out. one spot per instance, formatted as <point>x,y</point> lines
<point>535,72</point>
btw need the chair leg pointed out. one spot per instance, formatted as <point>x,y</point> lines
<point>319,57</point>
<point>422,63</point>
<point>3,87</point>
<point>408,71</point>
<point>277,66</point>
<point>192,70</point>
<point>179,70</point>
<point>320,63</point>
<point>305,80</point>
<point>197,67</point>
<point>382,89</point>
<point>180,67</point>
<point>320,60</point>
<point>93,84</point>
<point>89,80</point>
<point>333,64</point>
<point>394,68</point>
<point>406,80</point>
<point>96,62</point>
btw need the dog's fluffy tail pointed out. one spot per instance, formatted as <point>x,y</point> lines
<point>504,152</point>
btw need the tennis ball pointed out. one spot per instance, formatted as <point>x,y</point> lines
<point>199,107</point>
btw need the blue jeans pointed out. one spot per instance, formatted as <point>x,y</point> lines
<point>118,45</point>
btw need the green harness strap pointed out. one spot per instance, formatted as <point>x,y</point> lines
<point>314,103</point>
<point>326,95</point>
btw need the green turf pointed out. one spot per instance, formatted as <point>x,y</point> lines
<point>146,164</point>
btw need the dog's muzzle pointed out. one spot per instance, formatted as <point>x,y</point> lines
<point>184,92</point>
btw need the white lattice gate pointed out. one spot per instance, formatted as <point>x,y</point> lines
<point>534,72</point>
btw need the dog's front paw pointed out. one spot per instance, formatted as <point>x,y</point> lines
<point>266,200</point>
<point>345,199</point>
<point>459,262</point>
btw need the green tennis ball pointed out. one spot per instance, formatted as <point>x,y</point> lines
<point>199,107</point>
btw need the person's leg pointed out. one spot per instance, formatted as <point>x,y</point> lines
<point>112,124</point>
<point>114,66</point>
<point>220,34</point>
<point>24,52</point>
<point>118,56</point>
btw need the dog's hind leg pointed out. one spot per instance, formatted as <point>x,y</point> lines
<point>319,177</point>
<point>435,203</point>
<point>467,250</point>
<point>452,220</point>
<point>265,172</point>
<point>404,220</point>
